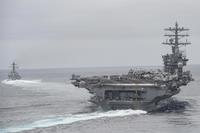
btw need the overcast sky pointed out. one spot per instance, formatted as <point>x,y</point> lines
<point>87,33</point>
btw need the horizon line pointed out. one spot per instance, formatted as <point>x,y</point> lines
<point>76,67</point>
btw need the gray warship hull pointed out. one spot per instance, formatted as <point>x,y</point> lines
<point>136,90</point>
<point>141,89</point>
<point>14,75</point>
<point>134,96</point>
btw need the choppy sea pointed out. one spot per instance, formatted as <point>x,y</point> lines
<point>44,101</point>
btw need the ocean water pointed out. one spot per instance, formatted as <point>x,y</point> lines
<point>45,101</point>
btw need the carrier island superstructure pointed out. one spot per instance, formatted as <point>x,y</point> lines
<point>142,89</point>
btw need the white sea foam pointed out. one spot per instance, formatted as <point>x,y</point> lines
<point>72,119</point>
<point>21,82</point>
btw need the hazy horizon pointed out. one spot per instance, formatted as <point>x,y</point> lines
<point>87,67</point>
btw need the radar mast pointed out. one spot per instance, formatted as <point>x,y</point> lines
<point>173,63</point>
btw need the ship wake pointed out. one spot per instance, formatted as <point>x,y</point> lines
<point>21,82</point>
<point>68,119</point>
<point>171,105</point>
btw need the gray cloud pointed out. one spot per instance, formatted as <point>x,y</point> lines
<point>75,33</point>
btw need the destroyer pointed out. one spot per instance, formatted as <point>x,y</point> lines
<point>14,75</point>
<point>142,89</point>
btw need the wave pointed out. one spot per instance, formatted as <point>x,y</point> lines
<point>21,82</point>
<point>72,119</point>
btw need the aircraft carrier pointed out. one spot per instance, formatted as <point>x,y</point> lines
<point>142,89</point>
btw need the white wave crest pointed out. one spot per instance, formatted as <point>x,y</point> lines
<point>21,82</point>
<point>72,119</point>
